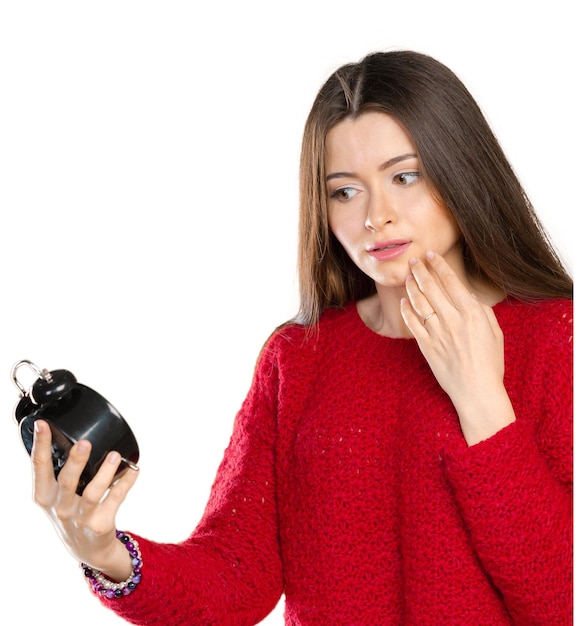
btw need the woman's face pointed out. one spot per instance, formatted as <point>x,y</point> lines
<point>380,207</point>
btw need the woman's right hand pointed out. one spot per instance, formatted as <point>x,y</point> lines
<point>85,524</point>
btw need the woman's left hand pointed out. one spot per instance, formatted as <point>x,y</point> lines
<point>463,344</point>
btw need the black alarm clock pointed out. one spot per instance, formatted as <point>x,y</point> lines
<point>73,411</point>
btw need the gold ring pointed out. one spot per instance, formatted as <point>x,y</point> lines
<point>428,317</point>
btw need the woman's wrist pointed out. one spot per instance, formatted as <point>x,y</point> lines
<point>120,566</point>
<point>482,421</point>
<point>114,583</point>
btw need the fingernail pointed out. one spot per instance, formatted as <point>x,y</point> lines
<point>37,427</point>
<point>114,458</point>
<point>412,261</point>
<point>430,255</point>
<point>83,445</point>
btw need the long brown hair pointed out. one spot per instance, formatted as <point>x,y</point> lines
<point>504,241</point>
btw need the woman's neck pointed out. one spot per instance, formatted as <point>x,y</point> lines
<point>381,312</point>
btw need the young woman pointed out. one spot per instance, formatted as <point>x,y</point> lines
<point>404,453</point>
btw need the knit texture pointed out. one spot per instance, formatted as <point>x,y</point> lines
<point>348,487</point>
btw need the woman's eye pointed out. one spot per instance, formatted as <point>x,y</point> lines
<point>343,194</point>
<point>406,178</point>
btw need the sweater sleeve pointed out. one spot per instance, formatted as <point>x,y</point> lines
<point>229,570</point>
<point>514,491</point>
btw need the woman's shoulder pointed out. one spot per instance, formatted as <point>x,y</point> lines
<point>332,319</point>
<point>543,323</point>
<point>294,337</point>
<point>556,310</point>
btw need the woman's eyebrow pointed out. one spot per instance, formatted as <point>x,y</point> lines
<point>397,159</point>
<point>383,166</point>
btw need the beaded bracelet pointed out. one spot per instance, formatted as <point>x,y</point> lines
<point>102,586</point>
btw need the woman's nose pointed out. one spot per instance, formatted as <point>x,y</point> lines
<point>381,211</point>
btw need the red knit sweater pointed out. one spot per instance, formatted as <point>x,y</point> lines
<point>348,486</point>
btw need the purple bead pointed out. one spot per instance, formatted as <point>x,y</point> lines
<point>119,592</point>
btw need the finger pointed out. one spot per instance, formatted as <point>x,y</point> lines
<point>429,287</point>
<point>69,475</point>
<point>44,482</point>
<point>449,282</point>
<point>118,492</point>
<point>421,305</point>
<point>97,488</point>
<point>411,318</point>
<point>102,518</point>
<point>492,320</point>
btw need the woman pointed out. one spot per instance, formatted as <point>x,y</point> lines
<point>404,453</point>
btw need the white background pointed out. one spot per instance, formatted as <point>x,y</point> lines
<point>148,197</point>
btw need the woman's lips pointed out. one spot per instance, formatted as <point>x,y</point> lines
<point>386,250</point>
